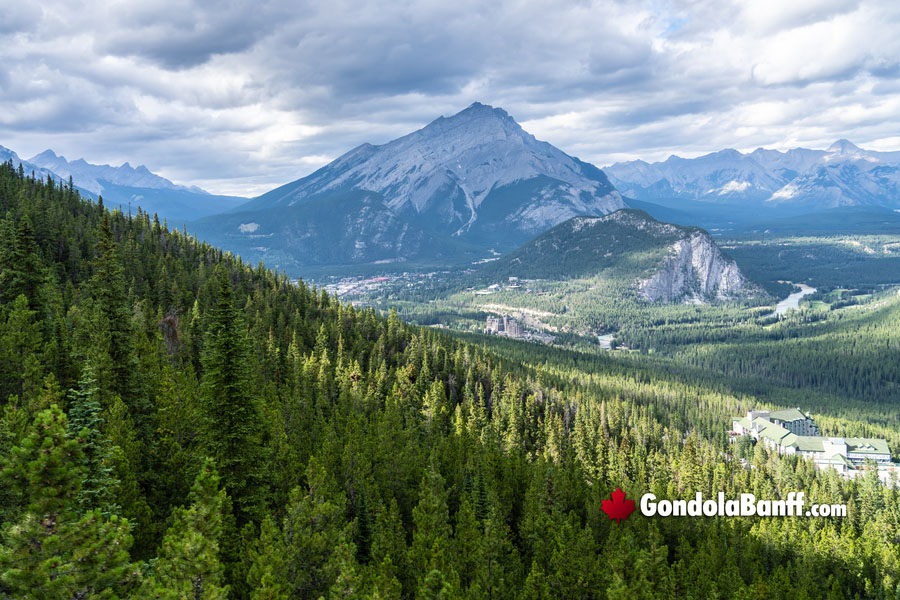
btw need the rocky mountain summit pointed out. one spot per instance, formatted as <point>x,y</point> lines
<point>842,175</point>
<point>128,187</point>
<point>96,177</point>
<point>7,155</point>
<point>474,175</point>
<point>475,178</point>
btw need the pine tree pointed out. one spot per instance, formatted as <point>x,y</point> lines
<point>189,565</point>
<point>21,347</point>
<point>233,426</point>
<point>434,586</point>
<point>54,551</point>
<point>11,499</point>
<point>112,309</point>
<point>125,458</point>
<point>362,532</point>
<point>22,270</point>
<point>467,542</point>
<point>389,551</point>
<point>99,486</point>
<point>431,537</point>
<point>348,583</point>
<point>536,585</point>
<point>385,584</point>
<point>267,576</point>
<point>314,528</point>
<point>497,560</point>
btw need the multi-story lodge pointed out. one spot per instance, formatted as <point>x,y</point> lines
<point>792,432</point>
<point>504,326</point>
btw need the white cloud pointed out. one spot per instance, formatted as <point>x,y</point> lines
<point>244,96</point>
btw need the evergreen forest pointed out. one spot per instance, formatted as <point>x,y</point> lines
<point>178,424</point>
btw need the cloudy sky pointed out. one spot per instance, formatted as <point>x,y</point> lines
<point>255,93</point>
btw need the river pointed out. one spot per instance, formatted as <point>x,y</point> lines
<point>793,301</point>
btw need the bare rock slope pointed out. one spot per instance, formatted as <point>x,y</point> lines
<point>694,270</point>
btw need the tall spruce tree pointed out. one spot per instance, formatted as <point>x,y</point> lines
<point>99,486</point>
<point>431,539</point>
<point>21,350</point>
<point>314,530</point>
<point>112,307</point>
<point>232,422</point>
<point>267,575</point>
<point>22,271</point>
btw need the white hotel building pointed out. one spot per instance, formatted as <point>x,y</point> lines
<point>792,432</point>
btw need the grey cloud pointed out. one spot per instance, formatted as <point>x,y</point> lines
<point>246,93</point>
<point>18,16</point>
<point>656,111</point>
<point>382,52</point>
<point>185,34</point>
<point>885,69</point>
<point>613,54</point>
<point>65,112</point>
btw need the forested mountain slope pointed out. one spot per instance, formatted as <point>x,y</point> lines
<point>182,425</point>
<point>663,262</point>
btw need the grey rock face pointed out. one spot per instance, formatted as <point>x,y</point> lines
<point>695,270</point>
<point>476,175</point>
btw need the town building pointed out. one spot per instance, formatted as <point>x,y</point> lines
<point>792,432</point>
<point>505,325</point>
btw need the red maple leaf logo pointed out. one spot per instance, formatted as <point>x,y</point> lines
<point>618,508</point>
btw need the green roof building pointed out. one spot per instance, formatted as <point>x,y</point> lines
<point>792,432</point>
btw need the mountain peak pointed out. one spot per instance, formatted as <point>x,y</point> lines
<point>476,175</point>
<point>96,178</point>
<point>47,154</point>
<point>843,146</point>
<point>475,112</point>
<point>658,261</point>
<point>479,109</point>
<point>7,153</point>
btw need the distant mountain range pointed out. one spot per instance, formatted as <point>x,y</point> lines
<point>844,175</point>
<point>127,187</point>
<point>462,185</point>
<point>476,185</point>
<point>660,261</point>
<point>97,178</point>
<point>7,155</point>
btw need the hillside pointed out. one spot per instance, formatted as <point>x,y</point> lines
<point>348,228</point>
<point>180,424</point>
<point>663,262</point>
<point>475,177</point>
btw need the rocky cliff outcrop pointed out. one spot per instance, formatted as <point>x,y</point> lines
<point>695,270</point>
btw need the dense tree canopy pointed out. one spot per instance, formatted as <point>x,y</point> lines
<point>178,424</point>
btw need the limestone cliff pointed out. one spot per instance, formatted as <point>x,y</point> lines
<point>695,270</point>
